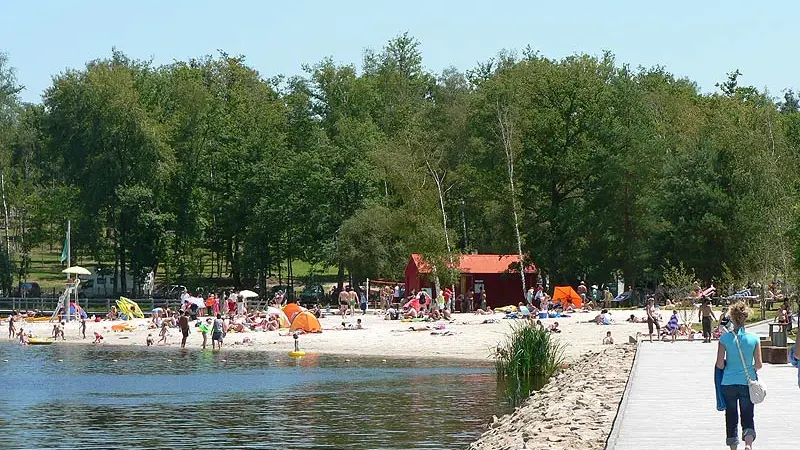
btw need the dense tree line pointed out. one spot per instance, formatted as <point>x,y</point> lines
<point>588,167</point>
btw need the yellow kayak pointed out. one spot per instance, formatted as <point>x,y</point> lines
<point>40,341</point>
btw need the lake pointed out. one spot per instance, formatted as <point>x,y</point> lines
<point>114,397</point>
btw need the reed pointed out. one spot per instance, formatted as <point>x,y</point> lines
<point>529,351</point>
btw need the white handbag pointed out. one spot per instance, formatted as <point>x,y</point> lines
<point>757,388</point>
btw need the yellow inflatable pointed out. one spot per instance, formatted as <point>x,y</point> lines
<point>129,308</point>
<point>297,353</point>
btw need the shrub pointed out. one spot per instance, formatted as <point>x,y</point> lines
<point>529,351</point>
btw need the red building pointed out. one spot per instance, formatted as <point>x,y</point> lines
<point>497,274</point>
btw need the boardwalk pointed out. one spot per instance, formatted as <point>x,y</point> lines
<point>670,402</point>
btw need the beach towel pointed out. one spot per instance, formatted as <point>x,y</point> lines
<point>718,387</point>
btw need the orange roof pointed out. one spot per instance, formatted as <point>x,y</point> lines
<point>477,263</point>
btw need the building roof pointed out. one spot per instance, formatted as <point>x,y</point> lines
<point>476,264</point>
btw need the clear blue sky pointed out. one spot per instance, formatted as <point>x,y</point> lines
<point>699,39</point>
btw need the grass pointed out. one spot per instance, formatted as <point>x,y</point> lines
<point>528,351</point>
<point>526,360</point>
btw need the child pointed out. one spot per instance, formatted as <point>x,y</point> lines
<point>149,340</point>
<point>82,329</point>
<point>98,338</point>
<point>608,339</point>
<point>358,325</point>
<point>204,328</point>
<point>164,333</point>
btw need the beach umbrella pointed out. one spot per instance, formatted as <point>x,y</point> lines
<point>197,301</point>
<point>247,294</point>
<point>76,270</point>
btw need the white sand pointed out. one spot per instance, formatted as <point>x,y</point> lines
<point>470,339</point>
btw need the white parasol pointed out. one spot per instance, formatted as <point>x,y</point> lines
<point>76,270</point>
<point>247,294</point>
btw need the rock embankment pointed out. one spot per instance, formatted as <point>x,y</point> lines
<point>574,410</point>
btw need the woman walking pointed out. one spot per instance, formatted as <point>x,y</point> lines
<point>738,352</point>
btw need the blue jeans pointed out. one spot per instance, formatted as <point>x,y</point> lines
<point>737,396</point>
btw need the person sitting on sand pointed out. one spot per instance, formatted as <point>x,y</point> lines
<point>434,315</point>
<point>411,314</point>
<point>524,311</point>
<point>113,314</point>
<point>392,313</point>
<point>273,323</point>
<point>604,318</point>
<point>358,325</point>
<point>149,340</point>
<point>554,328</point>
<point>446,315</point>
<point>482,312</point>
<point>608,339</point>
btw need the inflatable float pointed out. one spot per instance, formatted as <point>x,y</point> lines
<point>297,353</point>
<point>40,341</point>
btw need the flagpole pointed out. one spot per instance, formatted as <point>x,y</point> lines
<point>69,264</point>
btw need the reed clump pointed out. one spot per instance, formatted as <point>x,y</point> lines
<point>528,352</point>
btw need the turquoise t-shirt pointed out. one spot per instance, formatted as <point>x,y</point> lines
<point>734,372</point>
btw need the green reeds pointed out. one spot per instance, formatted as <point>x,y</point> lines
<point>528,352</point>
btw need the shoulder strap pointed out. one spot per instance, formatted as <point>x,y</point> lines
<point>744,363</point>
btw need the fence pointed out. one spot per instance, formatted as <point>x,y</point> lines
<point>90,305</point>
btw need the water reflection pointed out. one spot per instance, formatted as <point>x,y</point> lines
<point>160,398</point>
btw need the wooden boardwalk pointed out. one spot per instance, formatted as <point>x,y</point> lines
<point>670,402</point>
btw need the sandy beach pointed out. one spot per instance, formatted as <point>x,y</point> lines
<point>466,336</point>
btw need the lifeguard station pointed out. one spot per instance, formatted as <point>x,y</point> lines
<point>70,292</point>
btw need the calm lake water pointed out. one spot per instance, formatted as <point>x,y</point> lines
<point>237,400</point>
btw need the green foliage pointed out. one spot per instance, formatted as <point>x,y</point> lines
<point>528,351</point>
<point>204,168</point>
<point>678,281</point>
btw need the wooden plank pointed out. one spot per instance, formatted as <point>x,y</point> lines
<point>671,402</point>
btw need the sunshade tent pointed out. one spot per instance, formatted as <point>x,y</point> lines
<point>306,322</point>
<point>248,294</point>
<point>291,310</point>
<point>283,321</point>
<point>567,295</point>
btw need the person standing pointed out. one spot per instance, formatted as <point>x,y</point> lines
<point>739,357</point>
<point>484,300</point>
<point>652,319</point>
<point>396,294</point>
<point>706,315</point>
<point>183,324</point>
<point>582,291</point>
<point>12,329</point>
<point>344,300</point>
<point>217,332</point>
<point>82,329</point>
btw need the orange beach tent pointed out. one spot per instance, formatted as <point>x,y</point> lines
<point>292,309</point>
<point>567,295</point>
<point>307,322</point>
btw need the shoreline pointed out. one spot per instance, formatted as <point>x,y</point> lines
<point>576,409</point>
<point>467,337</point>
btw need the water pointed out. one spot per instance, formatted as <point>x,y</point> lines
<point>237,400</point>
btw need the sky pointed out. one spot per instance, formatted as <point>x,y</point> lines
<point>702,40</point>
